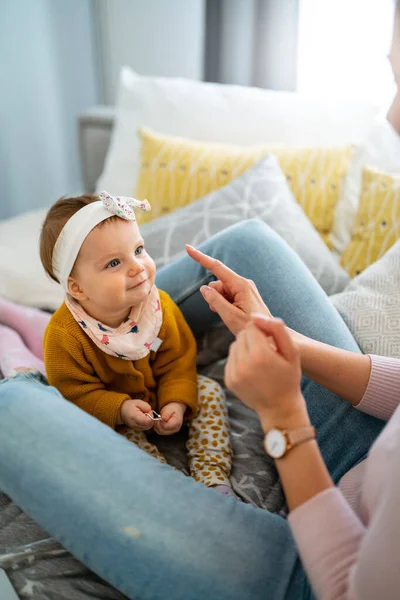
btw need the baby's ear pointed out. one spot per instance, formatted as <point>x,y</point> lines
<point>75,290</point>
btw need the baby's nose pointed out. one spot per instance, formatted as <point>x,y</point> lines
<point>135,267</point>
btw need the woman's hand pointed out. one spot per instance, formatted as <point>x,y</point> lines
<point>233,297</point>
<point>266,377</point>
<point>263,370</point>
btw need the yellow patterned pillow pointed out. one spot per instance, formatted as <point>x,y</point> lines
<point>377,224</point>
<point>175,172</point>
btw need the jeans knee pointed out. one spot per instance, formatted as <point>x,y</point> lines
<point>255,226</point>
<point>247,228</point>
<point>252,233</point>
<point>243,239</point>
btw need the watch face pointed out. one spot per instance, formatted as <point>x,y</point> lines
<point>275,443</point>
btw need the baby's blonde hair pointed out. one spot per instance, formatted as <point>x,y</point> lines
<point>58,215</point>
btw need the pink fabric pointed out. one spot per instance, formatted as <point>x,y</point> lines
<point>349,538</point>
<point>381,397</point>
<point>29,322</point>
<point>15,355</point>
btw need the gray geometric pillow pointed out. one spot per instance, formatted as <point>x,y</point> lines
<point>261,192</point>
<point>370,306</point>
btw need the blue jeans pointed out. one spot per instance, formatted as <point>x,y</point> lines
<point>149,530</point>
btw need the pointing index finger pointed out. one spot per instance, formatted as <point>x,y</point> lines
<point>221,271</point>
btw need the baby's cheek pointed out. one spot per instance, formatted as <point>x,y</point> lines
<point>151,266</point>
<point>116,286</point>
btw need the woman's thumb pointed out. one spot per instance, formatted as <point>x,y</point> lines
<point>276,329</point>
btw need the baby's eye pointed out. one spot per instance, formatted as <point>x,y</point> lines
<point>139,250</point>
<point>113,263</point>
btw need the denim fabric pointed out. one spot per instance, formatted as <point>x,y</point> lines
<point>149,530</point>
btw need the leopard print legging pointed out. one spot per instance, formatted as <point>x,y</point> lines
<point>209,446</point>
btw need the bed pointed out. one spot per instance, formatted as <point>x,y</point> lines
<point>39,567</point>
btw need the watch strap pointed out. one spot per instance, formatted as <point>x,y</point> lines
<point>300,435</point>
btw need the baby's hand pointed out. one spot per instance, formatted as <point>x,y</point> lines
<point>133,414</point>
<point>172,415</point>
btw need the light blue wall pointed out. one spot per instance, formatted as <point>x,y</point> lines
<point>58,57</point>
<point>154,37</point>
<point>47,75</point>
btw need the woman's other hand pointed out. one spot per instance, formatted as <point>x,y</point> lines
<point>233,297</point>
<point>263,370</point>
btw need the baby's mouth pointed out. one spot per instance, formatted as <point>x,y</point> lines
<point>137,284</point>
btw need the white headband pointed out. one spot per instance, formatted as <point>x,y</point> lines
<point>76,229</point>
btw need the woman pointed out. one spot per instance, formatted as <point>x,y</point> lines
<point>164,536</point>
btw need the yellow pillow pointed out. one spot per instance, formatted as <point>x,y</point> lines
<point>377,223</point>
<point>175,172</point>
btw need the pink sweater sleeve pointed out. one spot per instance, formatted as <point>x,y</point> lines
<point>328,535</point>
<point>382,397</point>
<point>343,559</point>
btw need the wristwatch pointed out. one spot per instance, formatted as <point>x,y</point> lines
<point>278,442</point>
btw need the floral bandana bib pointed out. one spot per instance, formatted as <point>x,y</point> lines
<point>134,338</point>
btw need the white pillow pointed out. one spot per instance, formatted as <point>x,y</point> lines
<point>22,277</point>
<point>381,150</point>
<point>221,113</point>
<point>370,305</point>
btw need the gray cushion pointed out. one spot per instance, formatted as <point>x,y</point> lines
<point>40,568</point>
<point>370,305</point>
<point>261,192</point>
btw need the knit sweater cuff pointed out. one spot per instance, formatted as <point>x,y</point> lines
<point>179,390</point>
<point>107,407</point>
<point>381,397</point>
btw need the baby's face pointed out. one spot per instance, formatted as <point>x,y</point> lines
<point>113,268</point>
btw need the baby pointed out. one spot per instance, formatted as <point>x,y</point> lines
<point>118,347</point>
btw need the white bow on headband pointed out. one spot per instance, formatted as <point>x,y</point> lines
<point>121,206</point>
<point>74,232</point>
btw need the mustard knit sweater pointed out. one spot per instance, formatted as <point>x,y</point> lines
<point>99,383</point>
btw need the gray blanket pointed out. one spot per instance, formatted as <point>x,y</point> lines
<point>40,568</point>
